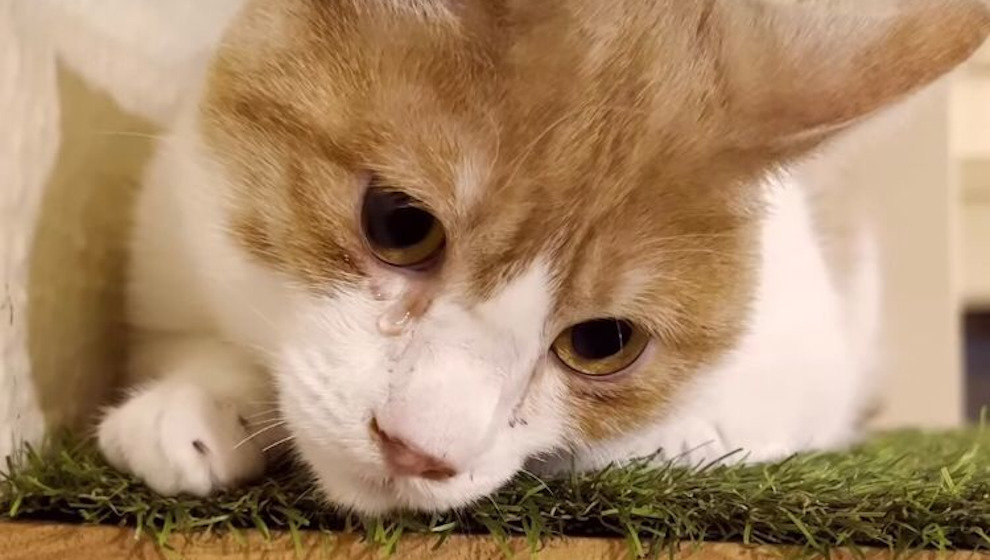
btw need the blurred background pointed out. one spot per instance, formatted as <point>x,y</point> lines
<point>930,182</point>
<point>970,150</point>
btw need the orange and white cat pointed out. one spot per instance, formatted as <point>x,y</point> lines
<point>428,242</point>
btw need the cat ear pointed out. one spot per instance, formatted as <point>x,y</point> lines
<point>801,71</point>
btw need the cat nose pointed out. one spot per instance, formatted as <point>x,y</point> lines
<point>405,460</point>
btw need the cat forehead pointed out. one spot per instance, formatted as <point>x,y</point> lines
<point>593,156</point>
<point>532,76</point>
<point>517,102</point>
<point>763,79</point>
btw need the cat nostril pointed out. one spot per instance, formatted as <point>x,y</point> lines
<point>403,460</point>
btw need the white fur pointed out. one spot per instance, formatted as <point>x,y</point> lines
<point>180,437</point>
<point>147,55</point>
<point>29,111</point>
<point>448,386</point>
<point>471,385</point>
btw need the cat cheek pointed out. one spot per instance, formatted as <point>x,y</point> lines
<point>601,409</point>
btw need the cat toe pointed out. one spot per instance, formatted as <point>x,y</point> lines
<point>179,439</point>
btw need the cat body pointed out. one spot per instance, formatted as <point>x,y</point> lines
<point>569,166</point>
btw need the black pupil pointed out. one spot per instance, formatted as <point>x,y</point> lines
<point>392,221</point>
<point>601,338</point>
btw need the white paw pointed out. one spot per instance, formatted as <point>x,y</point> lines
<point>699,442</point>
<point>179,439</point>
<point>695,442</point>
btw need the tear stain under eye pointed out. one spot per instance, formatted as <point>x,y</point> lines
<point>377,290</point>
<point>399,315</point>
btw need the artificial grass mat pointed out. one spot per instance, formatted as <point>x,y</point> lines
<point>902,490</point>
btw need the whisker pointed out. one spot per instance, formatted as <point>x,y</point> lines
<point>681,236</point>
<point>269,421</point>
<point>278,443</point>
<point>697,251</point>
<point>259,432</point>
<point>261,414</point>
<point>523,156</point>
<point>130,134</point>
<point>534,476</point>
<point>490,173</point>
<point>254,409</point>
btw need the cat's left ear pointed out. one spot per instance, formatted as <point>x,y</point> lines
<point>798,72</point>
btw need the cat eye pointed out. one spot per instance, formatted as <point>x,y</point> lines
<point>399,230</point>
<point>600,347</point>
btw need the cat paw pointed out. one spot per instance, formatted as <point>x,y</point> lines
<point>699,442</point>
<point>178,438</point>
<point>694,443</point>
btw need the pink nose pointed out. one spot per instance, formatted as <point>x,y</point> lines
<point>403,460</point>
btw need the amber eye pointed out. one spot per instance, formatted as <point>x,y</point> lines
<point>600,347</point>
<point>399,230</point>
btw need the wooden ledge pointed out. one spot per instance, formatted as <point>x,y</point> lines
<point>40,541</point>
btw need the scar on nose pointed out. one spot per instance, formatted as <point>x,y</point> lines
<point>513,422</point>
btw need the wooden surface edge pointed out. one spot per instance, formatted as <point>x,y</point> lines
<point>47,541</point>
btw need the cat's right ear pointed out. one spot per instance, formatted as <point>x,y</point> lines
<point>797,72</point>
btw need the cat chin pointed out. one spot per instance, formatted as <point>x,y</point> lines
<point>369,490</point>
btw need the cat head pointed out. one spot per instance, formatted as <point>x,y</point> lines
<point>513,227</point>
